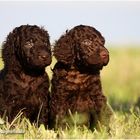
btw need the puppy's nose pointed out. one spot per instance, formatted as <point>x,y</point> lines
<point>104,57</point>
<point>43,55</point>
<point>104,54</point>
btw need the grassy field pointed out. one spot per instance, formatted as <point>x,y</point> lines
<point>121,85</point>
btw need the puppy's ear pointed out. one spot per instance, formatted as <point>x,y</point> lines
<point>64,50</point>
<point>8,47</point>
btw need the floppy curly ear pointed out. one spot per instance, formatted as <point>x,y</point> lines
<point>8,48</point>
<point>64,50</point>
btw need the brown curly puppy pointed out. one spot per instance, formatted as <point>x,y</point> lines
<point>23,81</point>
<point>76,85</point>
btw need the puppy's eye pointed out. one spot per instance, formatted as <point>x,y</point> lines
<point>87,42</point>
<point>29,44</point>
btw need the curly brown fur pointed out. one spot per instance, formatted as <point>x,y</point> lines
<point>76,84</point>
<point>23,81</point>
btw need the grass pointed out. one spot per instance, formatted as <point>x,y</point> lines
<point>120,81</point>
<point>124,125</point>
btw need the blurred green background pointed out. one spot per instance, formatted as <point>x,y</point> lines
<point>120,79</point>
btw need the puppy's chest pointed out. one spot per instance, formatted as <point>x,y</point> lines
<point>77,81</point>
<point>26,83</point>
<point>76,77</point>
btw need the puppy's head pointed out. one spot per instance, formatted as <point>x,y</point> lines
<point>91,51</point>
<point>82,45</point>
<point>89,48</point>
<point>31,46</point>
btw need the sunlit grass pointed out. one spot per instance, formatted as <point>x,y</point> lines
<point>123,125</point>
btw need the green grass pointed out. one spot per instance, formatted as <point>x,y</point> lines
<point>123,125</point>
<point>120,81</point>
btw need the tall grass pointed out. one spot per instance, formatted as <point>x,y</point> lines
<point>121,85</point>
